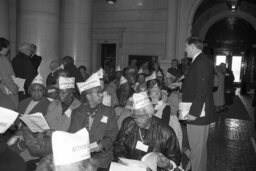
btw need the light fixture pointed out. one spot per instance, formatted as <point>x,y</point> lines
<point>233,4</point>
<point>111,1</point>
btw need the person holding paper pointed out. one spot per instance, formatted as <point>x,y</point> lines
<point>7,85</point>
<point>197,90</point>
<point>143,133</point>
<point>98,119</point>
<point>37,102</point>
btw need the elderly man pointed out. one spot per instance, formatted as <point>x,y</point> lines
<point>143,133</point>
<point>99,120</point>
<point>24,68</point>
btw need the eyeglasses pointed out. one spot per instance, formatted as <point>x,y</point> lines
<point>139,117</point>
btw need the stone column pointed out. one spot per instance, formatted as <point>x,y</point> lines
<point>4,19</point>
<point>76,31</point>
<point>171,30</point>
<point>38,22</point>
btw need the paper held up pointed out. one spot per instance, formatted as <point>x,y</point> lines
<point>7,117</point>
<point>35,122</point>
<point>69,148</point>
<point>19,82</point>
<point>184,108</point>
<point>118,167</point>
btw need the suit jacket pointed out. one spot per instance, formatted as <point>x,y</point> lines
<point>41,107</point>
<point>104,129</point>
<point>36,61</point>
<point>23,68</point>
<point>197,88</point>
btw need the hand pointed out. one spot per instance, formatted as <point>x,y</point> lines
<point>97,148</point>
<point>163,162</point>
<point>191,118</point>
<point>49,132</point>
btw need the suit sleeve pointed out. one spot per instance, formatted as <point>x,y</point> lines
<point>202,85</point>
<point>112,130</point>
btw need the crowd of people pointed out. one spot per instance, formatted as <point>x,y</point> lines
<point>128,114</point>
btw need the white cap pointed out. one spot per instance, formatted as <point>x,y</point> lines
<point>38,80</point>
<point>100,73</point>
<point>159,74</point>
<point>91,82</point>
<point>140,71</point>
<point>69,148</point>
<point>169,75</point>
<point>140,100</point>
<point>118,68</point>
<point>151,77</point>
<point>65,82</point>
<point>123,80</point>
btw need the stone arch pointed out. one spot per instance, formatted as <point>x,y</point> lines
<point>225,14</point>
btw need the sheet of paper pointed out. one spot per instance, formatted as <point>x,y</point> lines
<point>19,82</point>
<point>184,108</point>
<point>36,122</point>
<point>7,117</point>
<point>150,159</point>
<point>133,163</point>
<point>120,167</point>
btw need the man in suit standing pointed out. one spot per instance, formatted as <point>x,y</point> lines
<point>197,89</point>
<point>24,68</point>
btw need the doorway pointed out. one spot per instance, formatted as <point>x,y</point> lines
<point>233,62</point>
<point>108,59</point>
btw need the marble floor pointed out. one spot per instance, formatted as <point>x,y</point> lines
<point>231,142</point>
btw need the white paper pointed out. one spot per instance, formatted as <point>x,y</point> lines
<point>133,163</point>
<point>150,160</point>
<point>92,81</point>
<point>184,108</point>
<point>104,119</point>
<point>68,112</point>
<point>65,82</point>
<point>120,167</point>
<point>19,82</point>
<point>69,148</point>
<point>36,122</point>
<point>141,146</point>
<point>7,117</point>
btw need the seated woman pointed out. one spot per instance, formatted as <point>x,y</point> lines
<point>143,133</point>
<point>163,112</point>
<point>58,118</point>
<point>37,102</point>
<point>141,83</point>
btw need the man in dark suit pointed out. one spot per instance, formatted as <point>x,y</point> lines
<point>197,89</point>
<point>24,68</point>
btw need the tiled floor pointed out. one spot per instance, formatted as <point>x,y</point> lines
<point>230,147</point>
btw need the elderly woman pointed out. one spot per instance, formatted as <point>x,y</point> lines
<point>143,133</point>
<point>98,119</point>
<point>37,102</point>
<point>163,111</point>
